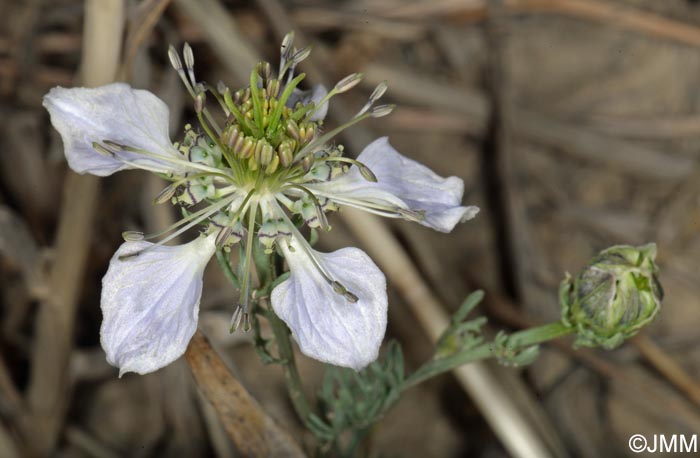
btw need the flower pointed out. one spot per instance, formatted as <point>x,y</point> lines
<point>269,169</point>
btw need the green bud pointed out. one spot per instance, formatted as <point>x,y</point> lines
<point>611,299</point>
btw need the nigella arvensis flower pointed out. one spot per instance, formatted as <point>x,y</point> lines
<point>247,182</point>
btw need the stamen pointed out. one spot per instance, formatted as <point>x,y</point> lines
<point>343,291</point>
<point>207,213</point>
<point>217,92</point>
<point>341,86</point>
<point>322,219</point>
<point>166,194</point>
<point>300,55</point>
<point>227,231</point>
<point>338,287</point>
<point>236,319</point>
<point>174,58</point>
<point>365,171</point>
<point>177,65</point>
<point>304,245</point>
<point>189,61</point>
<point>324,138</point>
<point>382,110</point>
<point>192,88</point>
<point>412,215</point>
<point>194,165</point>
<point>378,91</point>
<point>102,150</point>
<point>348,83</point>
<point>285,51</point>
<point>388,211</point>
<point>376,95</point>
<point>222,236</point>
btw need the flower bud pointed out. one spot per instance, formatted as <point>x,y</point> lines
<point>611,299</point>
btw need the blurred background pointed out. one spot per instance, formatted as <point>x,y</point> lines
<point>573,123</point>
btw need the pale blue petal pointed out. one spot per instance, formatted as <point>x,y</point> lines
<point>405,183</point>
<point>325,324</point>
<point>150,303</point>
<point>115,112</point>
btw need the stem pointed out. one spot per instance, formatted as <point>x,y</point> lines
<point>284,345</point>
<point>518,340</point>
<point>223,259</point>
<point>540,334</point>
<point>291,374</point>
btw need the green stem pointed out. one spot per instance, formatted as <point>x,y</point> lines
<point>223,259</point>
<point>540,334</point>
<point>518,340</point>
<point>266,267</point>
<point>358,440</point>
<point>291,373</point>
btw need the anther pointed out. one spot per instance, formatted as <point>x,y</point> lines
<point>236,319</point>
<point>382,110</point>
<point>307,162</point>
<point>102,150</point>
<point>266,154</point>
<point>132,236</point>
<point>412,215</point>
<point>246,322</point>
<point>124,257</point>
<point>174,58</point>
<point>273,87</point>
<point>273,165</point>
<point>301,55</point>
<point>266,70</point>
<point>378,92</point>
<point>233,134</point>
<point>114,146</point>
<point>322,219</point>
<point>293,129</point>
<point>166,194</point>
<point>366,173</point>
<point>258,148</point>
<point>351,297</point>
<point>338,288</point>
<point>247,148</point>
<point>238,146</point>
<point>188,55</point>
<point>347,83</point>
<point>286,155</point>
<point>287,44</point>
<point>221,87</point>
<point>222,236</point>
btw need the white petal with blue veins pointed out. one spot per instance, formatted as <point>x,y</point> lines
<point>150,303</point>
<point>114,112</point>
<point>325,324</point>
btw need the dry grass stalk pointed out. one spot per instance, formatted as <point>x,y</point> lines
<point>254,433</point>
<point>49,389</point>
